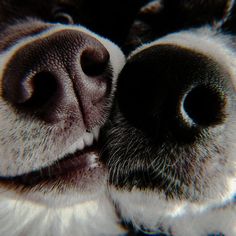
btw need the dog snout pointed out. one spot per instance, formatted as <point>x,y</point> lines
<point>68,69</point>
<point>174,93</point>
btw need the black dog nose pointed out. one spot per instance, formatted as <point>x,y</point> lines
<point>66,70</point>
<point>171,92</point>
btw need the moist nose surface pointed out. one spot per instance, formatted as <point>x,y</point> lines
<point>68,71</point>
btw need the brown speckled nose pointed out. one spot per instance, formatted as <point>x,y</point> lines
<point>65,73</point>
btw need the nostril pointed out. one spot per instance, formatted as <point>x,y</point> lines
<point>38,90</point>
<point>94,62</point>
<point>203,106</point>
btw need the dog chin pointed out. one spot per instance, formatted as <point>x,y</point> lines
<point>75,186</point>
<point>59,195</point>
<point>67,214</point>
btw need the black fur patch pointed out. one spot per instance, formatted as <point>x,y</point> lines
<point>174,15</point>
<point>111,19</point>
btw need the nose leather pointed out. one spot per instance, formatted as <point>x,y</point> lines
<point>60,75</point>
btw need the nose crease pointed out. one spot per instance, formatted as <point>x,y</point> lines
<point>79,99</point>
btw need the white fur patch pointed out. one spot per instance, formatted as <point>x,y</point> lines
<point>94,217</point>
<point>151,210</point>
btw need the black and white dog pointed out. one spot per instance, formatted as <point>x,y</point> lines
<point>171,148</point>
<point>57,82</point>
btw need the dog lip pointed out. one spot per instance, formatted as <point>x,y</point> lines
<point>70,165</point>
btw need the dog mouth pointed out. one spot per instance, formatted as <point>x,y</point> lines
<point>77,166</point>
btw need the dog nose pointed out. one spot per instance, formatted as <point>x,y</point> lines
<point>170,92</point>
<point>66,69</point>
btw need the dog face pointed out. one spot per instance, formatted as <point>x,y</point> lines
<point>57,82</point>
<point>171,146</point>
